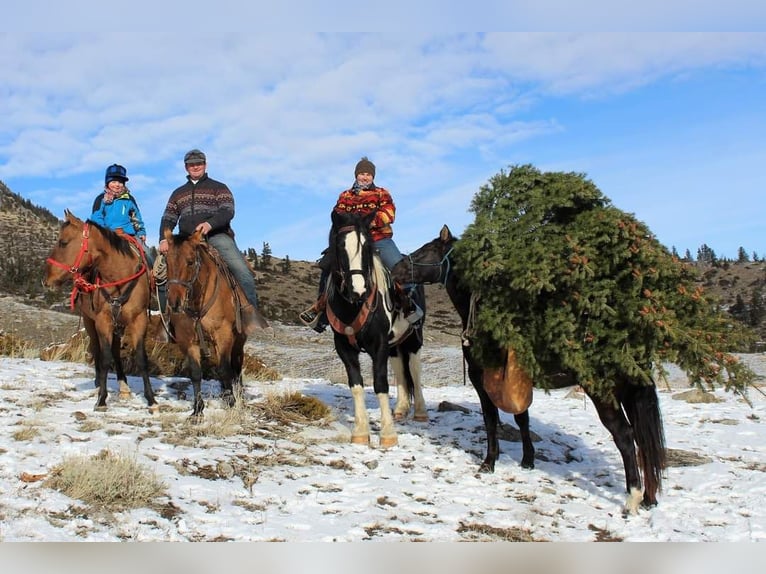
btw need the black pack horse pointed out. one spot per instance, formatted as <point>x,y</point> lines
<point>361,311</point>
<point>632,417</point>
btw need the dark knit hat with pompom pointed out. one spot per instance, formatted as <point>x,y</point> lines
<point>364,166</point>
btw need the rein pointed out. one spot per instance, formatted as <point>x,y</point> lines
<point>81,283</point>
<point>440,265</point>
<point>189,286</point>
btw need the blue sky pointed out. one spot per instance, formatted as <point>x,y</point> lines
<point>670,126</point>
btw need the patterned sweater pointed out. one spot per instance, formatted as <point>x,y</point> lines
<point>364,201</point>
<point>191,204</point>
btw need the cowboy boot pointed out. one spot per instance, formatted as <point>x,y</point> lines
<point>315,316</point>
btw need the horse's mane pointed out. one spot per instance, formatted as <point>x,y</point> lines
<point>118,242</point>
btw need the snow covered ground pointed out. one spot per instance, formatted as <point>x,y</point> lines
<point>307,483</point>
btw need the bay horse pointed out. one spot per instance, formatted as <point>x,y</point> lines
<point>361,311</point>
<point>210,316</point>
<point>111,290</point>
<point>631,415</point>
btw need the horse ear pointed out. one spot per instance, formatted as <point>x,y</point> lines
<point>196,238</point>
<point>445,234</point>
<point>71,217</point>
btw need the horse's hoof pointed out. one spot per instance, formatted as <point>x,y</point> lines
<point>420,418</point>
<point>388,441</point>
<point>362,439</point>
<point>100,408</point>
<point>399,417</point>
<point>195,418</point>
<point>155,408</point>
<point>125,395</point>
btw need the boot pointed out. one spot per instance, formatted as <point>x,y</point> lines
<point>410,310</point>
<point>314,316</point>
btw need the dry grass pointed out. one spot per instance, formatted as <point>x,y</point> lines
<point>485,532</point>
<point>13,346</point>
<point>106,481</point>
<point>164,358</point>
<point>275,416</point>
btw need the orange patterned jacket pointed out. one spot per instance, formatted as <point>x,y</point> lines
<point>364,201</point>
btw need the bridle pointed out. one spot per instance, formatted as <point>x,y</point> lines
<point>82,284</point>
<point>444,265</point>
<point>190,294</point>
<point>367,306</point>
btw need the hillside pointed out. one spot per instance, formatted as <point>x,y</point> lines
<point>27,233</point>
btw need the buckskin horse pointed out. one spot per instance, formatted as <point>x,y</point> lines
<point>111,290</point>
<point>210,316</point>
<point>631,416</point>
<point>361,311</point>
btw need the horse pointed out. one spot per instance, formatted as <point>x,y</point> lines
<point>111,290</point>
<point>209,314</point>
<point>631,415</point>
<point>361,311</point>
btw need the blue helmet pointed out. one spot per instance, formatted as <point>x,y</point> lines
<point>115,172</point>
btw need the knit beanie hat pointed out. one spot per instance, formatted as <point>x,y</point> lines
<point>115,172</point>
<point>365,166</point>
<point>195,156</point>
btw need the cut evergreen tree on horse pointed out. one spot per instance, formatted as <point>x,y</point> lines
<point>573,284</point>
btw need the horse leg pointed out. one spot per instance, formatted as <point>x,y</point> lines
<point>527,449</point>
<point>195,367</point>
<point>103,361</point>
<point>612,417</point>
<point>643,410</point>
<point>489,413</point>
<point>402,406</point>
<point>237,362</point>
<point>360,434</point>
<point>421,414</point>
<point>388,436</point>
<point>361,431</point>
<point>143,367</point>
<point>406,367</point>
<point>122,380</point>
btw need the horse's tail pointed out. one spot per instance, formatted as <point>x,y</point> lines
<point>643,410</point>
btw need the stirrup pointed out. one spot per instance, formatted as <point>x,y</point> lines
<point>416,314</point>
<point>309,317</point>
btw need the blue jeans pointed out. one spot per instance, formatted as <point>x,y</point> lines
<point>389,252</point>
<point>236,263</point>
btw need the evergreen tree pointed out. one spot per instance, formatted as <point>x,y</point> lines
<point>688,256</point>
<point>706,255</point>
<point>757,307</point>
<point>286,265</point>
<point>572,283</point>
<point>253,257</point>
<point>742,256</point>
<point>266,255</point>
<point>674,253</point>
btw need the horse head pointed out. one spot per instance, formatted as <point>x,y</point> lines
<point>184,264</point>
<point>430,263</point>
<point>351,250</point>
<point>68,254</point>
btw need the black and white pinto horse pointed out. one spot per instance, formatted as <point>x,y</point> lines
<point>363,316</point>
<point>632,415</point>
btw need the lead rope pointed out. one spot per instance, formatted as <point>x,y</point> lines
<point>465,336</point>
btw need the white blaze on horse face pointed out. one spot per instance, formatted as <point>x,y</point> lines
<point>354,243</point>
